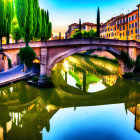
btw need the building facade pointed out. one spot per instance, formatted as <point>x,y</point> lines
<point>86,26</point>
<point>122,27</point>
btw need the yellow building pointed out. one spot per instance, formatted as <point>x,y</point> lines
<point>122,27</point>
<point>11,40</point>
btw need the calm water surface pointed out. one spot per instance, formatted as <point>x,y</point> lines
<point>90,101</point>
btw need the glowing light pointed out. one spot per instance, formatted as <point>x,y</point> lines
<point>36,61</point>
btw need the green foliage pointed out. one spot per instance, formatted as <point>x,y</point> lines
<point>9,17</point>
<point>43,32</point>
<point>2,17</point>
<point>80,26</point>
<point>35,13</point>
<point>9,62</point>
<point>49,30</point>
<point>138,61</point>
<point>21,10</point>
<point>3,21</point>
<point>126,59</point>
<point>98,23</point>
<point>28,28</point>
<point>85,34</point>
<point>35,79</point>
<point>27,55</point>
<point>32,21</point>
<point>105,58</point>
<point>24,13</point>
<point>39,23</point>
<point>15,30</point>
<point>46,26</point>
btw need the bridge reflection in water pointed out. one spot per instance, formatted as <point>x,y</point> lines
<point>79,73</point>
<point>25,111</point>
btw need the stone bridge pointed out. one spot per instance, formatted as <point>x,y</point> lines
<point>51,52</point>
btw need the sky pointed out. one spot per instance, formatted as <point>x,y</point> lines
<point>65,12</point>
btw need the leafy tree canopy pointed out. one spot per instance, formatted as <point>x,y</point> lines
<point>27,55</point>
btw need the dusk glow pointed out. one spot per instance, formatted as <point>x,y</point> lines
<point>66,12</point>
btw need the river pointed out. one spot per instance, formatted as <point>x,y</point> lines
<point>89,100</point>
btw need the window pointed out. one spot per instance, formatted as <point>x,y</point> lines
<point>109,35</point>
<point>123,33</point>
<point>131,31</point>
<point>117,22</point>
<point>136,31</point>
<point>112,34</point>
<point>120,21</point>
<point>115,34</point>
<point>132,25</point>
<point>129,19</point>
<point>120,34</point>
<point>136,24</point>
<point>115,28</point>
<point>129,26</point>
<point>124,20</point>
<point>83,27</point>
<point>120,28</point>
<point>132,18</point>
<point>108,29</point>
<point>123,27</point>
<point>135,16</point>
<point>127,32</point>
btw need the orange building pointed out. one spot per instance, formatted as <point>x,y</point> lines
<point>122,27</point>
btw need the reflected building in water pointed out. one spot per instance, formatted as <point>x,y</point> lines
<point>136,111</point>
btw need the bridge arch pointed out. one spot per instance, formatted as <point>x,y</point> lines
<point>4,63</point>
<point>65,54</point>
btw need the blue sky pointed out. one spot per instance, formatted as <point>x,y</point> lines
<point>65,12</point>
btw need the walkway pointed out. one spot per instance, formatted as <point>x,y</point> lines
<point>12,74</point>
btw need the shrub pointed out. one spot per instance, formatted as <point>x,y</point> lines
<point>9,63</point>
<point>126,59</point>
<point>27,55</point>
<point>35,79</point>
<point>86,34</point>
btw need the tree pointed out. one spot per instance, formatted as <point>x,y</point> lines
<point>39,23</point>
<point>43,32</point>
<point>98,23</point>
<point>2,22</point>
<point>80,26</point>
<point>27,55</point>
<point>9,17</point>
<point>24,13</point>
<point>49,30</point>
<point>15,30</point>
<point>35,13</point>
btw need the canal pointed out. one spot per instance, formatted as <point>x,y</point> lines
<point>89,100</point>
